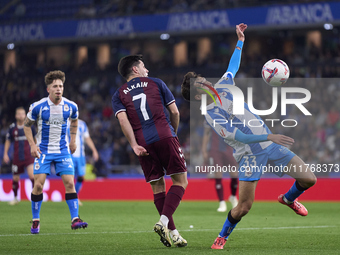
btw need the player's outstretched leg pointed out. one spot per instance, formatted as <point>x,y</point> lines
<point>297,207</point>
<point>247,195</point>
<point>305,179</point>
<point>229,225</point>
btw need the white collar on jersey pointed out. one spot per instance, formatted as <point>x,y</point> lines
<point>51,103</point>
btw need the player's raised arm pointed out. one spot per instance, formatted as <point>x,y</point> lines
<point>35,151</point>
<point>235,59</point>
<point>130,136</point>
<point>73,135</point>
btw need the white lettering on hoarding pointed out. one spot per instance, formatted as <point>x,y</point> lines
<point>310,13</point>
<point>108,27</point>
<point>17,33</point>
<point>198,21</point>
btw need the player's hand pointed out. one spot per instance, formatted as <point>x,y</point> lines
<point>140,151</point>
<point>35,151</point>
<point>6,159</point>
<point>281,139</point>
<point>239,31</point>
<point>95,156</point>
<point>72,147</point>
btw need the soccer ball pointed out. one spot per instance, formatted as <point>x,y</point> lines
<point>275,72</point>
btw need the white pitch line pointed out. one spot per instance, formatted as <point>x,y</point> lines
<point>184,230</point>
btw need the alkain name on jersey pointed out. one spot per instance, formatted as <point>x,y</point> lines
<point>138,85</point>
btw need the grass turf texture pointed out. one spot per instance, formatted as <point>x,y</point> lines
<point>126,228</point>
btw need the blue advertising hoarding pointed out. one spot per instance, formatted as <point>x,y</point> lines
<point>283,15</point>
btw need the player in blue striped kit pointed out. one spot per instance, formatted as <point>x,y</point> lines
<point>254,147</point>
<point>51,114</point>
<point>78,157</point>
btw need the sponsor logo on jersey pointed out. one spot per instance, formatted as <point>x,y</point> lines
<point>69,160</point>
<point>53,121</point>
<point>45,108</point>
<point>20,138</point>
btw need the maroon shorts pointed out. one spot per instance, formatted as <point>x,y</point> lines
<point>165,157</point>
<point>223,158</point>
<point>19,167</point>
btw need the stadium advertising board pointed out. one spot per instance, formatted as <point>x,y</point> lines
<point>215,20</point>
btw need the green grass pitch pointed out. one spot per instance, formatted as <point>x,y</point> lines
<point>126,228</point>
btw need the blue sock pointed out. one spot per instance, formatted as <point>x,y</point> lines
<point>294,192</point>
<point>228,227</point>
<point>72,202</point>
<point>36,201</point>
<point>78,186</point>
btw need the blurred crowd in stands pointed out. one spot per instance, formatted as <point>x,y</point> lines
<point>317,137</point>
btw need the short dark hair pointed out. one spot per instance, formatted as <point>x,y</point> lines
<point>20,108</point>
<point>188,91</point>
<point>126,63</point>
<point>54,75</point>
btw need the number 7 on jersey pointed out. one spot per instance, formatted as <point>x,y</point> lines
<point>142,96</point>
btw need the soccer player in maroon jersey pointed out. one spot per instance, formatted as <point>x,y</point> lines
<point>141,107</point>
<point>22,154</point>
<point>216,152</point>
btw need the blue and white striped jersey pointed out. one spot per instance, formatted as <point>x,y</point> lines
<point>52,124</point>
<point>223,113</point>
<point>82,133</point>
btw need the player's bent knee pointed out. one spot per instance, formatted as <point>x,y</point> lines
<point>69,185</point>
<point>309,182</point>
<point>38,187</point>
<point>245,209</point>
<point>185,183</point>
<point>242,208</point>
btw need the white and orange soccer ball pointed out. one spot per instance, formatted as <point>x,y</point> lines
<point>275,72</point>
